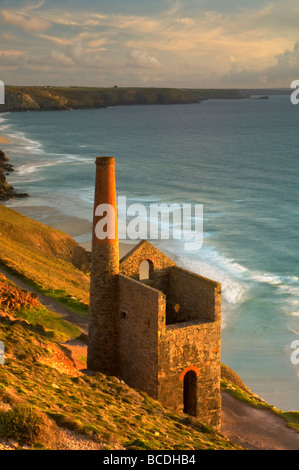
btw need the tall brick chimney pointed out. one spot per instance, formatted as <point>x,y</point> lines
<point>102,334</point>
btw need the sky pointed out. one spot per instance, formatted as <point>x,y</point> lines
<point>159,43</point>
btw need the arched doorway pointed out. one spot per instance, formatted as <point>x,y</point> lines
<point>145,270</point>
<point>190,402</point>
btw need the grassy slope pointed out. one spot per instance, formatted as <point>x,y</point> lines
<point>38,373</point>
<point>21,229</point>
<point>31,353</point>
<point>44,257</point>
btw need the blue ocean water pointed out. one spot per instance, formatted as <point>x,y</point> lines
<point>239,159</point>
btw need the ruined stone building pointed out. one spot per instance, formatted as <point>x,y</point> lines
<point>160,335</point>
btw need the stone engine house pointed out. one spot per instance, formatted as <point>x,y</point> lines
<point>161,334</point>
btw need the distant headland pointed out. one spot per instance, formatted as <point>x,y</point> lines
<point>43,98</point>
<point>51,98</point>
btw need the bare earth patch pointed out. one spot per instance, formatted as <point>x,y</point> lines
<point>256,429</point>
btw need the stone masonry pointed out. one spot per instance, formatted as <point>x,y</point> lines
<point>162,334</point>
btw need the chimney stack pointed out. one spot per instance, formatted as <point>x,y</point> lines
<point>103,311</point>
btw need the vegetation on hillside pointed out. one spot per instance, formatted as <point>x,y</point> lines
<point>47,259</point>
<point>38,98</point>
<point>45,392</point>
<point>44,387</point>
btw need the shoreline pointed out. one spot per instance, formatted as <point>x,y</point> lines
<point>77,228</point>
<point>4,140</point>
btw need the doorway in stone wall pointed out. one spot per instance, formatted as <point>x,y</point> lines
<point>145,270</point>
<point>190,380</point>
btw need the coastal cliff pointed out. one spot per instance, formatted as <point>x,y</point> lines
<point>6,190</point>
<point>43,98</point>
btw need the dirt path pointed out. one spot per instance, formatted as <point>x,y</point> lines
<point>256,429</point>
<point>50,304</point>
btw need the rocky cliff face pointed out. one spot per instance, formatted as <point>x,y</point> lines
<point>33,99</point>
<point>6,190</point>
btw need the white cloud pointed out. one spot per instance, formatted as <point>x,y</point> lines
<point>23,22</point>
<point>61,59</point>
<point>281,73</point>
<point>75,56</point>
<point>140,59</point>
<point>13,58</point>
<point>242,46</point>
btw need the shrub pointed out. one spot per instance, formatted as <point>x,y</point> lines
<point>22,423</point>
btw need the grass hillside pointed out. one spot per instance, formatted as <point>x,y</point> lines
<point>46,258</point>
<point>43,393</point>
<point>24,98</point>
<point>21,229</point>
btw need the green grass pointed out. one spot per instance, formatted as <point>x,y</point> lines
<point>292,418</point>
<point>66,297</point>
<point>98,406</point>
<point>74,305</point>
<point>22,422</point>
<point>43,258</point>
<point>57,328</point>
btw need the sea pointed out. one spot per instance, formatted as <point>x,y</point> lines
<point>236,159</point>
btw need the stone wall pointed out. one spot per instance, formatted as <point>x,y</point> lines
<point>132,339</point>
<point>139,307</point>
<point>191,297</point>
<point>158,262</point>
<point>193,345</point>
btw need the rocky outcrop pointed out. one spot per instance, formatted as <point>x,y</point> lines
<point>6,190</point>
<point>13,298</point>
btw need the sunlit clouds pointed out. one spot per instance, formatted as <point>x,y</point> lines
<point>183,44</point>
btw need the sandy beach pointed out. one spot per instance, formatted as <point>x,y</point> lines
<point>3,140</point>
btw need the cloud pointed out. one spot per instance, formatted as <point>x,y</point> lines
<point>74,56</point>
<point>58,40</point>
<point>7,36</point>
<point>61,59</point>
<point>12,58</point>
<point>34,6</point>
<point>98,43</point>
<point>23,22</point>
<point>281,73</point>
<point>140,59</point>
<point>287,64</point>
<point>226,46</point>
